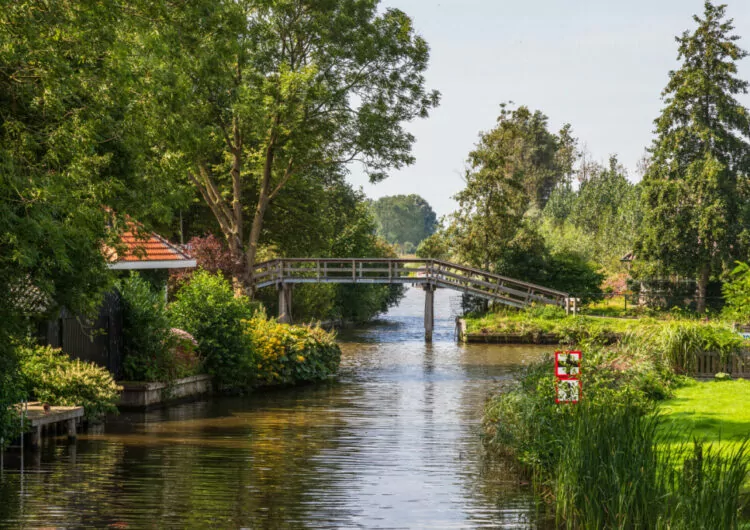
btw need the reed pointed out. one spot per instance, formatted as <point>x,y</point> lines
<point>614,472</point>
<point>607,474</point>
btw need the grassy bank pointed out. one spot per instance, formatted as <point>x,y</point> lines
<point>551,320</point>
<point>642,448</point>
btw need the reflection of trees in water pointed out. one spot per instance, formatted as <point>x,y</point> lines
<point>491,480</point>
<point>57,482</point>
<point>259,468</point>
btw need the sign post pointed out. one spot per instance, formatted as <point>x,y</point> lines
<point>567,373</point>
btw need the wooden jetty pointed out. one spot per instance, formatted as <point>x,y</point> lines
<point>41,420</point>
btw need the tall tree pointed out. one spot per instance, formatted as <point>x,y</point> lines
<point>695,190</point>
<point>404,218</point>
<point>245,96</point>
<point>514,166</point>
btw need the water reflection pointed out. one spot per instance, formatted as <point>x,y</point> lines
<point>393,443</point>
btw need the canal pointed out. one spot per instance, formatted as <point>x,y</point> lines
<point>394,442</point>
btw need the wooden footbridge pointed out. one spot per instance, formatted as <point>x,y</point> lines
<point>427,273</point>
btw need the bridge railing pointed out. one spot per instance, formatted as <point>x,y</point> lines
<point>414,271</point>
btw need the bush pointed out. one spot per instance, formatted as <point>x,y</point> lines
<point>680,343</point>
<point>50,376</point>
<point>291,354</point>
<point>147,341</point>
<point>206,308</point>
<point>737,295</point>
<point>11,392</point>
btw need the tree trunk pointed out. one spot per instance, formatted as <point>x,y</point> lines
<point>703,277</point>
<point>264,197</point>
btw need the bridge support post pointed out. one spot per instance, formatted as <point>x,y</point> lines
<point>429,311</point>
<point>285,303</point>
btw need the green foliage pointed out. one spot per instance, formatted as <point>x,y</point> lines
<point>516,164</point>
<point>285,94</point>
<point>145,327</point>
<point>69,160</point>
<point>680,343</point>
<point>50,376</point>
<point>675,342</point>
<point>404,219</point>
<point>599,220</point>
<point>206,308</point>
<point>527,257</point>
<point>607,462</point>
<point>695,196</point>
<point>437,246</point>
<point>614,473</point>
<point>12,391</point>
<point>607,471</point>
<point>291,354</point>
<point>737,294</point>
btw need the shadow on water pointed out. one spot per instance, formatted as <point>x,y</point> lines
<point>392,443</point>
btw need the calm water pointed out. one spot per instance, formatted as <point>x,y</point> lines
<point>393,443</point>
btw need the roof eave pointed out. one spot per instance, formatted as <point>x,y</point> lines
<point>154,264</point>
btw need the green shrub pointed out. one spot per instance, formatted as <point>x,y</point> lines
<point>11,392</point>
<point>737,295</point>
<point>680,343</point>
<point>52,377</point>
<point>206,308</point>
<point>291,354</point>
<point>146,337</point>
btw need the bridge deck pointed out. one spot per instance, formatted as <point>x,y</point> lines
<point>435,273</point>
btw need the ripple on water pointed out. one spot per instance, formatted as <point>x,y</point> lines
<point>393,443</point>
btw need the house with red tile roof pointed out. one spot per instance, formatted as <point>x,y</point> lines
<point>148,251</point>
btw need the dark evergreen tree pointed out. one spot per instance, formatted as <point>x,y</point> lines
<point>695,190</point>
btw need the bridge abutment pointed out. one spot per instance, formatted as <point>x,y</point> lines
<point>429,311</point>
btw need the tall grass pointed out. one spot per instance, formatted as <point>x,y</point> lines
<point>607,474</point>
<point>615,473</point>
<point>607,462</point>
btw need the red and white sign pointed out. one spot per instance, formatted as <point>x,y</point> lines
<point>567,372</point>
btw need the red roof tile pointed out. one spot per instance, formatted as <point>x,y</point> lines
<point>154,248</point>
<point>144,248</point>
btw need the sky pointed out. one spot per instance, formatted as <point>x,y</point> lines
<point>599,65</point>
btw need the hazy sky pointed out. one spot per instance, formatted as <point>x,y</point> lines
<point>599,65</point>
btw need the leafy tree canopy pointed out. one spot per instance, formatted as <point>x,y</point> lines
<point>245,98</point>
<point>404,219</point>
<point>599,219</point>
<point>514,166</point>
<point>696,190</point>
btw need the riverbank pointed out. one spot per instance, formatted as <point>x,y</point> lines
<point>691,346</point>
<point>587,452</point>
<point>609,461</point>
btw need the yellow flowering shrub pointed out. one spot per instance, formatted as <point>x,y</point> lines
<point>288,354</point>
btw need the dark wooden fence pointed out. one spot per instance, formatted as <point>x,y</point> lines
<point>98,340</point>
<point>709,364</point>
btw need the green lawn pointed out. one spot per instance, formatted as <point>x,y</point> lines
<point>553,322</point>
<point>715,411</point>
